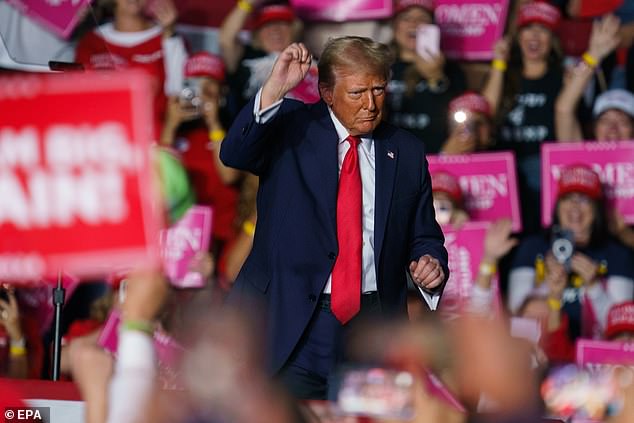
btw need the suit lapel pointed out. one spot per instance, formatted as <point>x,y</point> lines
<point>321,163</point>
<point>386,157</point>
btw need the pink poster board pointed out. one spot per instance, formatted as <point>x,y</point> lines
<point>181,242</point>
<point>613,161</point>
<point>488,182</point>
<point>470,28</point>
<point>59,16</point>
<point>465,248</point>
<point>168,351</point>
<point>342,10</point>
<point>596,354</point>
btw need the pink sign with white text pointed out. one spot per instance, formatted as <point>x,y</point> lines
<point>613,162</point>
<point>59,16</point>
<point>342,10</point>
<point>181,242</point>
<point>470,28</point>
<point>596,354</point>
<point>488,182</point>
<point>465,248</point>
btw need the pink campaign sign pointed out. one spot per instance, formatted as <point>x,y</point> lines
<point>488,182</point>
<point>342,10</point>
<point>180,243</point>
<point>168,351</point>
<point>613,161</point>
<point>465,248</point>
<point>470,28</point>
<point>596,354</point>
<point>60,16</point>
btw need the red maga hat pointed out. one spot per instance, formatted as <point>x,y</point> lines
<point>580,179</point>
<point>205,64</point>
<point>620,319</point>
<point>539,12</point>
<point>470,102</point>
<point>274,12</point>
<point>400,5</point>
<point>442,181</point>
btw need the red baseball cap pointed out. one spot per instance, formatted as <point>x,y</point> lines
<point>470,102</point>
<point>401,5</point>
<point>580,179</point>
<point>442,181</point>
<point>274,12</point>
<point>205,64</point>
<point>539,12</point>
<point>620,319</point>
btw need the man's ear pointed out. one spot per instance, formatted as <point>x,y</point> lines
<point>326,93</point>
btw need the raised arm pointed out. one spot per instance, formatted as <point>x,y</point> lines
<point>603,41</point>
<point>493,89</point>
<point>230,47</point>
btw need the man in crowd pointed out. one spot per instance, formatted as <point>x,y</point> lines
<point>344,209</point>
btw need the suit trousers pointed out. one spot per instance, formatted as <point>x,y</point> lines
<point>310,370</point>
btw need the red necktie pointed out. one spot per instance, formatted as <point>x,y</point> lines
<point>346,274</point>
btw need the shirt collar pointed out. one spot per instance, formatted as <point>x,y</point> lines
<point>342,132</point>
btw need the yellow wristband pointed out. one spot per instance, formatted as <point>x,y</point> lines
<point>487,269</point>
<point>589,59</point>
<point>245,5</point>
<point>17,351</point>
<point>248,227</point>
<point>554,304</point>
<point>217,135</point>
<point>499,64</point>
<point>139,326</point>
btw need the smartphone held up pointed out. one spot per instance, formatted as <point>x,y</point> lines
<point>428,41</point>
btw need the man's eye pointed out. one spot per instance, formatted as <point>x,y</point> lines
<point>378,90</point>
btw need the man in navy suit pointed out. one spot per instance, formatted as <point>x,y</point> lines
<point>344,209</point>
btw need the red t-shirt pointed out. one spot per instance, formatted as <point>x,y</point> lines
<point>198,159</point>
<point>97,52</point>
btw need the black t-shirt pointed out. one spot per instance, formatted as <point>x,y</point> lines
<point>531,120</point>
<point>424,112</point>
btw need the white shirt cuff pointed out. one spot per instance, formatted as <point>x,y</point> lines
<point>265,115</point>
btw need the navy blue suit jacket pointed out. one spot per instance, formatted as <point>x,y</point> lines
<point>295,244</point>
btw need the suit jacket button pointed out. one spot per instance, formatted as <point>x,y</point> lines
<point>332,256</point>
<point>312,298</point>
<point>244,130</point>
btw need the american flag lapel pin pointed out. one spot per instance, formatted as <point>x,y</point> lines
<point>390,154</point>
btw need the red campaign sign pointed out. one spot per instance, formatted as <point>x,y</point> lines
<point>470,28</point>
<point>488,182</point>
<point>613,162</point>
<point>76,186</point>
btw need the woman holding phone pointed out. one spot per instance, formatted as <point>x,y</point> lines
<point>422,82</point>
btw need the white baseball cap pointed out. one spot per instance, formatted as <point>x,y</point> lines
<point>619,99</point>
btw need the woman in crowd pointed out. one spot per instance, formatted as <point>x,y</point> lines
<point>470,126</point>
<point>523,97</point>
<point>580,270</point>
<point>248,65</point>
<point>614,110</point>
<point>139,37</point>
<point>421,87</point>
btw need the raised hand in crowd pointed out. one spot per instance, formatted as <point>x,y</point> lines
<point>603,40</point>
<point>585,267</point>
<point>461,141</point>
<point>165,13</point>
<point>289,70</point>
<point>555,277</point>
<point>10,319</point>
<point>497,243</point>
<point>493,89</point>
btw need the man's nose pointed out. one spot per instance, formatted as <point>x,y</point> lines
<point>370,102</point>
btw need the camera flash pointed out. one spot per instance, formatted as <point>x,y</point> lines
<point>460,116</point>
